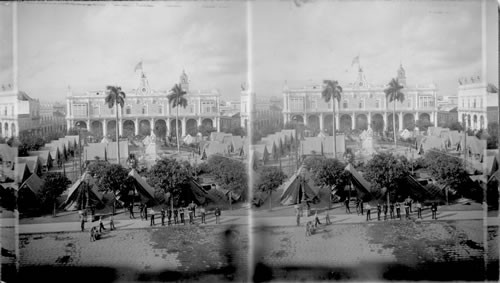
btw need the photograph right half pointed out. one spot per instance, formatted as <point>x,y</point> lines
<point>374,140</point>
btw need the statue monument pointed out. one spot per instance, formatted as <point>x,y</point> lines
<point>367,142</point>
<point>150,150</point>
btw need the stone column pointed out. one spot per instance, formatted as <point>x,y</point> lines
<point>167,122</point>
<point>217,121</point>
<point>385,121</point>
<point>435,118</point>
<point>88,125</point>
<point>199,121</point>
<point>152,125</point>
<point>400,118</point>
<point>69,124</point>
<point>136,128</point>
<point>353,120</point>
<point>305,119</point>
<point>105,127</point>
<point>183,127</point>
<point>321,126</point>
<point>369,120</point>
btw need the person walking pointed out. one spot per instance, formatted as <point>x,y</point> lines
<point>361,205</point>
<point>82,222</point>
<point>191,215</point>
<point>327,218</point>
<point>391,210</point>
<point>162,217</point>
<point>112,223</point>
<point>358,210</point>
<point>410,204</point>
<point>169,216</point>
<point>181,214</point>
<point>141,211</point>
<point>298,217</point>
<point>203,215</point>
<point>101,225</point>
<point>146,211</point>
<point>217,215</point>
<point>379,211</point>
<point>176,216</point>
<point>316,220</point>
<point>368,212</point>
<point>398,210</point>
<point>434,211</point>
<point>386,208</point>
<point>346,203</point>
<point>131,210</point>
<point>419,210</point>
<point>152,223</point>
<point>407,209</point>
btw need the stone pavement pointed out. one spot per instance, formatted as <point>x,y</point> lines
<point>243,220</point>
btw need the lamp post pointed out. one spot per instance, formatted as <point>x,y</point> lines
<point>80,146</point>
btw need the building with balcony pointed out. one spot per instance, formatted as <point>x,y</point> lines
<point>51,119</point>
<point>362,105</point>
<point>145,111</point>
<point>476,106</point>
<point>19,113</point>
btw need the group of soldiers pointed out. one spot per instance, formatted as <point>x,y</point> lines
<point>393,209</point>
<point>175,215</point>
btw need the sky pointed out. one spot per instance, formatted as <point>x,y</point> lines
<point>217,43</point>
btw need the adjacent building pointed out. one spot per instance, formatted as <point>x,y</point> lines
<point>476,106</point>
<point>19,113</point>
<point>145,111</point>
<point>362,105</point>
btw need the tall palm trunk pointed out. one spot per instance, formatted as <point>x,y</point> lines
<point>177,129</point>
<point>394,124</point>
<point>117,136</point>
<point>334,130</point>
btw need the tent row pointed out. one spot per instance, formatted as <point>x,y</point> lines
<point>105,151</point>
<point>451,140</point>
<point>228,146</point>
<point>322,145</point>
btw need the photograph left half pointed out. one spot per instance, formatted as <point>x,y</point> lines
<point>123,142</point>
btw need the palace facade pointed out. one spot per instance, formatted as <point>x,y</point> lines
<point>362,105</point>
<point>476,106</point>
<point>145,111</point>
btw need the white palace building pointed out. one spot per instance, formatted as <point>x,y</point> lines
<point>362,105</point>
<point>144,110</point>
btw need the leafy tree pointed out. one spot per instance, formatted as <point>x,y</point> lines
<point>114,178</point>
<point>449,171</point>
<point>55,184</point>
<point>312,163</point>
<point>331,91</point>
<point>393,93</point>
<point>269,181</point>
<point>168,176</point>
<point>330,173</point>
<point>72,132</point>
<point>97,168</point>
<point>29,143</point>
<point>386,170</point>
<point>230,174</point>
<point>205,130</point>
<point>423,125</point>
<point>176,99</point>
<point>238,131</point>
<point>115,96</point>
<point>454,126</point>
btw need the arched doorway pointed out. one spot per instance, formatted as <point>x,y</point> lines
<point>160,129</point>
<point>313,122</point>
<point>474,119</point>
<point>377,123</point>
<point>390,120</point>
<point>111,129</point>
<point>96,128</point>
<point>207,123</point>
<point>409,121</point>
<point>128,128</point>
<point>144,128</point>
<point>469,121</point>
<point>345,123</point>
<point>328,123</point>
<point>192,127</point>
<point>361,122</point>
<point>481,121</point>
<point>13,129</point>
<point>6,128</point>
<point>425,117</point>
<point>298,119</point>
<point>81,125</point>
<point>173,127</point>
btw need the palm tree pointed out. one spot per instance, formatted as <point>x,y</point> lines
<point>176,98</point>
<point>331,91</point>
<point>115,96</point>
<point>393,93</point>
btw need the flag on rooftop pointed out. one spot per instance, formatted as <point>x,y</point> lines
<point>138,66</point>
<point>355,60</point>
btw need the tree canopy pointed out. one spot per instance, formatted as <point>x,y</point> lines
<point>270,179</point>
<point>114,178</point>
<point>386,170</point>
<point>55,184</point>
<point>168,176</point>
<point>330,173</point>
<point>230,174</point>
